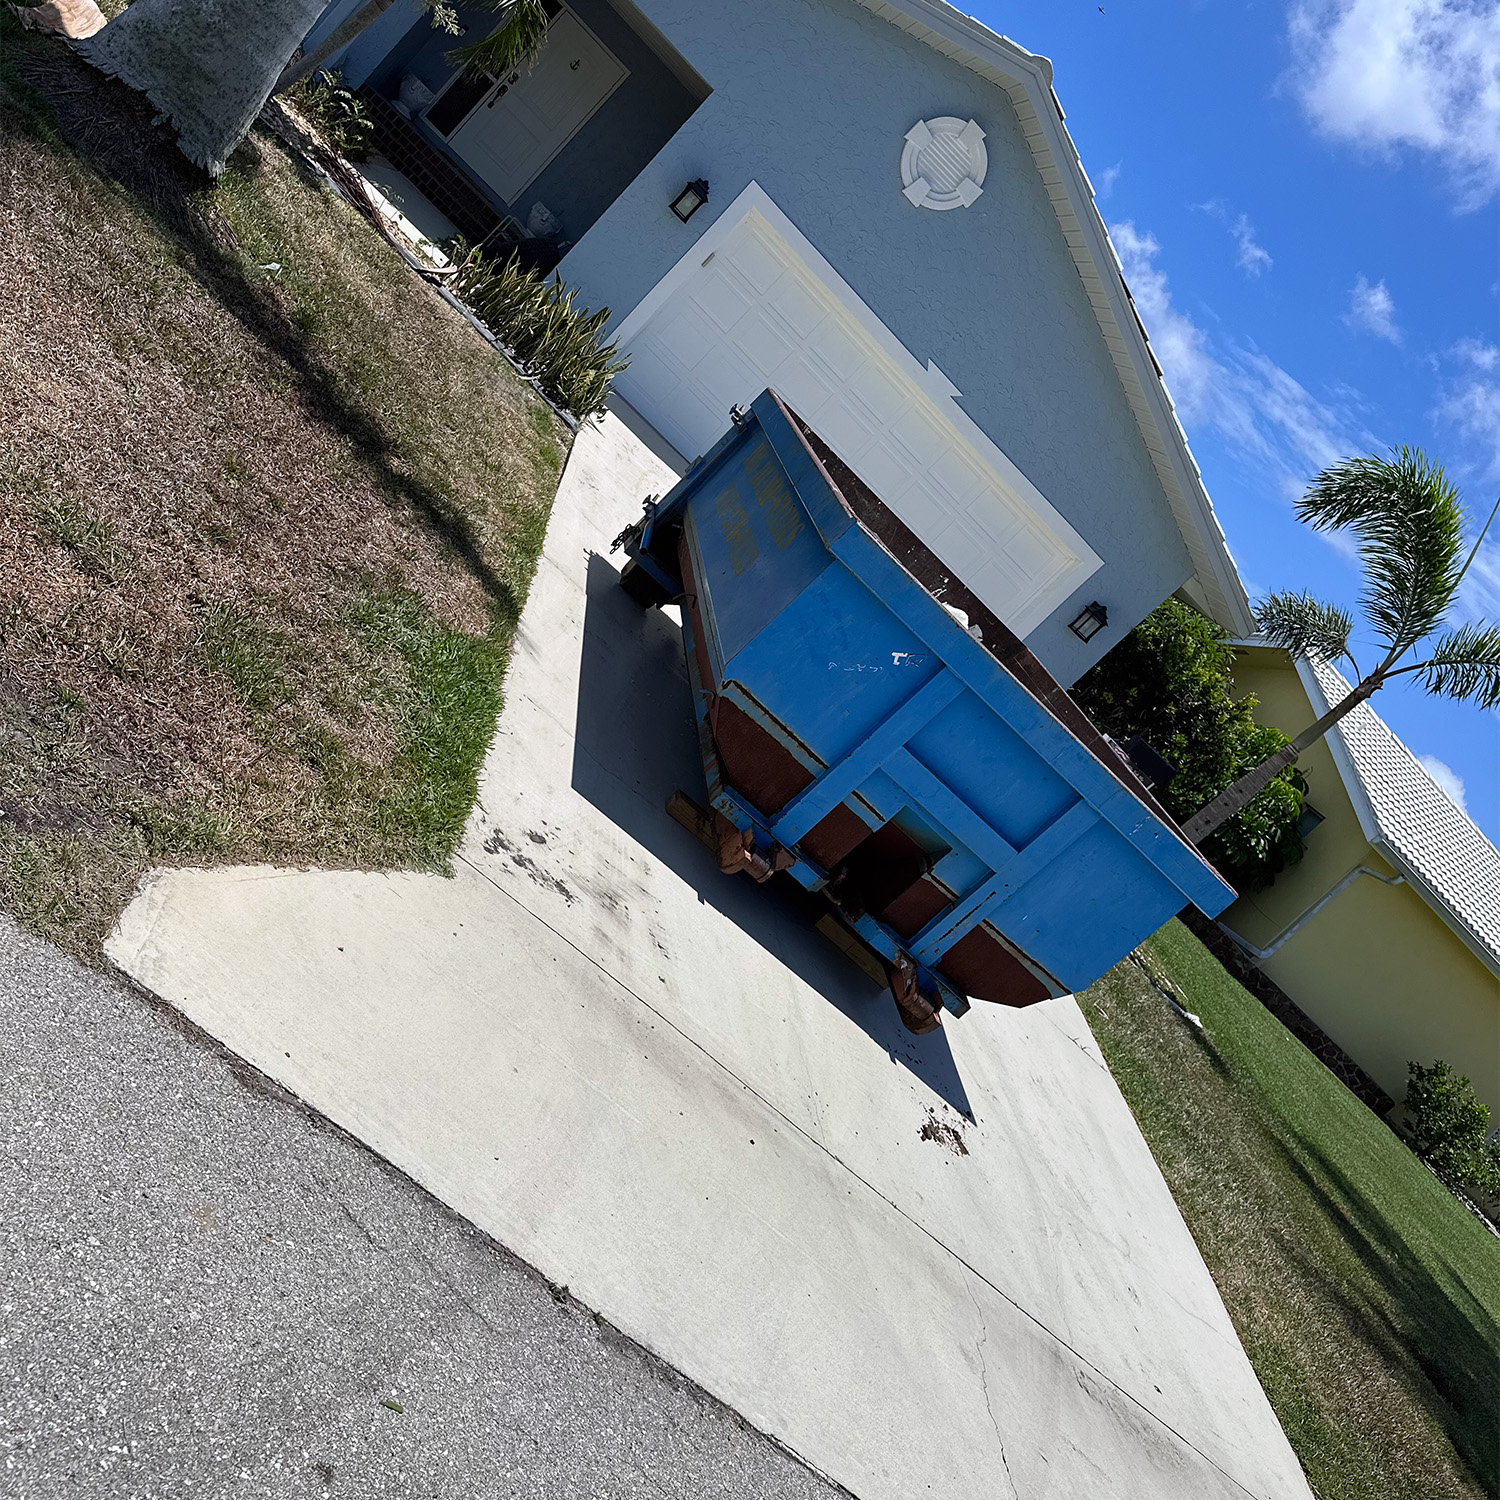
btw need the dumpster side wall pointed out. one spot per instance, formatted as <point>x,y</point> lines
<point>812,100</point>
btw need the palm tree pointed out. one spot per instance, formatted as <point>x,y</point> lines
<point>513,44</point>
<point>1411,525</point>
<point>515,41</point>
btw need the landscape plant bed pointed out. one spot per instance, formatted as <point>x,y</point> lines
<point>269,509</point>
<point>1366,1295</point>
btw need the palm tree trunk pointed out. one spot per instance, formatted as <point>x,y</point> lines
<point>336,40</point>
<point>1253,783</point>
<point>208,65</point>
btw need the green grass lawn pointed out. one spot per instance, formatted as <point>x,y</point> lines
<point>1366,1295</point>
<point>269,510</point>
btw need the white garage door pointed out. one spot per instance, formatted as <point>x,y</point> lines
<point>751,312</point>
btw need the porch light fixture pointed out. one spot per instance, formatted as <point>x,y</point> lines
<point>1091,620</point>
<point>690,200</point>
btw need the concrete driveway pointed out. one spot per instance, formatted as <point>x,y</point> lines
<point>942,1266</point>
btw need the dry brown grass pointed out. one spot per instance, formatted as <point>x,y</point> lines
<point>268,512</point>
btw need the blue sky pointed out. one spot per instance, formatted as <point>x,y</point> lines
<point>1306,198</point>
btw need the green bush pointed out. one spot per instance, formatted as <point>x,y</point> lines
<point>342,114</point>
<point>1169,681</point>
<point>1450,1127</point>
<point>554,343</point>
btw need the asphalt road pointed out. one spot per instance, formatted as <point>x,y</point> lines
<point>205,1290</point>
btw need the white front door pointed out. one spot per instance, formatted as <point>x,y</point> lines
<point>530,116</point>
<point>754,305</point>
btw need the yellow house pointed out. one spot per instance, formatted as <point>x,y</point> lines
<point>1387,933</point>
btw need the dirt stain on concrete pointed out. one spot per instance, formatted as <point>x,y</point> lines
<point>497,843</point>
<point>943,1134</point>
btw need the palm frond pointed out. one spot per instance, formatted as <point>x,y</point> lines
<point>1465,663</point>
<point>1410,523</point>
<point>1304,626</point>
<point>514,43</point>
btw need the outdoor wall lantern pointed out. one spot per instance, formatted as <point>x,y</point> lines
<point>1091,620</point>
<point>690,200</point>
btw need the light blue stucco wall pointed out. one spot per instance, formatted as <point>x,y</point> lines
<point>336,13</point>
<point>368,50</point>
<point>811,98</point>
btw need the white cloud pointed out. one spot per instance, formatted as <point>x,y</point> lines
<point>1471,403</point>
<point>1472,398</point>
<point>1446,777</point>
<point>1261,411</point>
<point>1250,257</point>
<point>1107,180</point>
<point>1415,74</point>
<point>1372,309</point>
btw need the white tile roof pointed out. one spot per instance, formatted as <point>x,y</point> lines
<point>1416,825</point>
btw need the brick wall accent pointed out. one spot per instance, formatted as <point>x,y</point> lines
<point>430,172</point>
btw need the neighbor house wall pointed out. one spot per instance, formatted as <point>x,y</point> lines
<point>1377,969</point>
<point>812,99</point>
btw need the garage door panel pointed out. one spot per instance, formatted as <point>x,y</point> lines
<point>683,342</point>
<point>961,480</point>
<point>881,396</point>
<point>727,379</point>
<point>888,473</point>
<point>1029,552</point>
<point>758,261</point>
<point>721,301</point>
<point>797,305</point>
<point>767,345</point>
<point>759,315</point>
<point>841,354</point>
<point>806,389</point>
<point>921,438</point>
<point>698,416</point>
<point>656,379</point>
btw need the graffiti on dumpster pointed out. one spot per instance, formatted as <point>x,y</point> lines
<point>736,524</point>
<point>782,515</point>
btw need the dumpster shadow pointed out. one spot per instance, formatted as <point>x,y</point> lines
<point>636,742</point>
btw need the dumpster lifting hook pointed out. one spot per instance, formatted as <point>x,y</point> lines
<point>919,1013</point>
<point>737,852</point>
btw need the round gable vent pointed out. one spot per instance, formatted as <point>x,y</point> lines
<point>944,163</point>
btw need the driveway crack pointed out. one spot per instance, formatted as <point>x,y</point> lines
<point>984,1381</point>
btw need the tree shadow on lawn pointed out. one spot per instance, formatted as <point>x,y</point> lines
<point>1439,1339</point>
<point>112,130</point>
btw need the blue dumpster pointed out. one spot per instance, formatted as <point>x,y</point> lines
<point>870,728</point>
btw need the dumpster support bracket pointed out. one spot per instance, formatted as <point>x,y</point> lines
<point>814,803</point>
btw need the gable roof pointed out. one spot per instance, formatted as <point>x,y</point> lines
<point>1408,817</point>
<point>1027,79</point>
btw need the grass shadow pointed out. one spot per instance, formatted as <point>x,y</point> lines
<point>1441,1335</point>
<point>110,129</point>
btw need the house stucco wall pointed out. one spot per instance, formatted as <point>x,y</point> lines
<point>1377,969</point>
<point>812,98</point>
<point>336,14</point>
<point>368,50</point>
